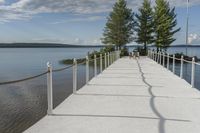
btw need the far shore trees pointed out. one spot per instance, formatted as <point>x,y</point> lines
<point>164,24</point>
<point>119,27</point>
<point>144,25</point>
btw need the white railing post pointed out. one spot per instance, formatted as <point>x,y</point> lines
<point>74,76</point>
<point>173,63</point>
<point>163,59</point>
<point>181,70</point>
<point>101,63</point>
<point>108,58</point>
<point>160,58</point>
<point>153,55</point>
<point>167,61</point>
<point>193,72</point>
<point>95,65</point>
<point>105,63</point>
<point>87,70</point>
<point>49,90</point>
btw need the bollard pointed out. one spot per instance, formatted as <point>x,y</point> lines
<point>181,70</point>
<point>168,61</point>
<point>193,72</point>
<point>101,63</point>
<point>87,69</point>
<point>163,59</point>
<point>152,55</point>
<point>105,63</point>
<point>49,90</point>
<point>74,76</point>
<point>95,65</point>
<point>173,64</point>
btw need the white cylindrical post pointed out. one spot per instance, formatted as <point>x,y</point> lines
<point>193,72</point>
<point>163,59</point>
<point>181,70</point>
<point>87,69</point>
<point>105,63</point>
<point>101,69</point>
<point>153,55</point>
<point>74,76</point>
<point>108,54</point>
<point>95,65</point>
<point>168,61</point>
<point>160,58</point>
<point>49,90</point>
<point>173,64</point>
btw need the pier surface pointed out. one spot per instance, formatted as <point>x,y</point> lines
<point>130,96</point>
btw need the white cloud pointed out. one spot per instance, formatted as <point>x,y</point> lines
<point>25,9</point>
<point>194,39</point>
<point>82,19</point>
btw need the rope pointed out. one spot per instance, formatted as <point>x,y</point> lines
<point>61,69</point>
<point>39,75</point>
<point>25,79</point>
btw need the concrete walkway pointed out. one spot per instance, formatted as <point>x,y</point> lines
<point>131,96</point>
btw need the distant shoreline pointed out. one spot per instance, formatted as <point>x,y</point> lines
<point>56,45</point>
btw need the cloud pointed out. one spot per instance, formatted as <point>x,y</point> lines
<point>82,19</point>
<point>194,39</point>
<point>25,9</point>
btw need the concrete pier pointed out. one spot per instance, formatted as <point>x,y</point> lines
<point>130,96</point>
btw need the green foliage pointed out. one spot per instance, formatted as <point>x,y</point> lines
<point>119,26</point>
<point>124,52</point>
<point>144,25</point>
<point>164,24</point>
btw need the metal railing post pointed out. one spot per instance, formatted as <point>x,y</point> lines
<point>49,90</point>
<point>193,72</point>
<point>152,55</point>
<point>168,61</point>
<point>181,70</point>
<point>95,65</point>
<point>173,63</point>
<point>105,63</point>
<point>108,58</point>
<point>163,59</point>
<point>101,63</point>
<point>87,69</point>
<point>160,58</point>
<point>74,76</point>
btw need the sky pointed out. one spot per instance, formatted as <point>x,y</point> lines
<point>77,21</point>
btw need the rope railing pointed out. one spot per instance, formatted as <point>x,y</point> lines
<point>157,56</point>
<point>108,58</point>
<point>24,79</point>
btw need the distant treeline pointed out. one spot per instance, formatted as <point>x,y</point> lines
<point>43,45</point>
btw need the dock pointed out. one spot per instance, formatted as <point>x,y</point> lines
<point>130,96</point>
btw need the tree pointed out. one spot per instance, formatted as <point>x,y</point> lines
<point>144,24</point>
<point>165,22</point>
<point>119,26</point>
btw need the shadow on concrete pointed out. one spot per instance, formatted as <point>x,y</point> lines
<point>118,116</point>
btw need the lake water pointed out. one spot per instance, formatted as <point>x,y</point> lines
<point>22,104</point>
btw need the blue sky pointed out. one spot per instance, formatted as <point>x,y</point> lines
<point>76,21</point>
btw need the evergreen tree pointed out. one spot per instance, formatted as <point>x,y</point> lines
<point>164,22</point>
<point>119,26</point>
<point>144,24</point>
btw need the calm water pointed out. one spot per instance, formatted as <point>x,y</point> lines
<point>22,104</point>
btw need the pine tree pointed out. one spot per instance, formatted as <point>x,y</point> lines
<point>165,22</point>
<point>144,24</point>
<point>119,26</point>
